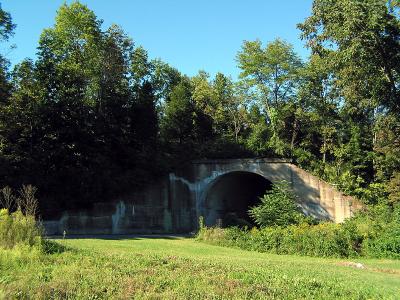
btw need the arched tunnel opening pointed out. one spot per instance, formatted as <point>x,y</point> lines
<point>231,196</point>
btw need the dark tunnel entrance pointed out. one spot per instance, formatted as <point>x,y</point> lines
<point>230,197</point>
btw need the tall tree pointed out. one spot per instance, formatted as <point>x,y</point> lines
<point>177,124</point>
<point>231,109</point>
<point>358,41</point>
<point>361,38</point>
<point>6,31</point>
<point>6,25</point>
<point>273,72</point>
<point>77,110</point>
<point>320,101</point>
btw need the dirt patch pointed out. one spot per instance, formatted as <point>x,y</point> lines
<point>363,267</point>
<point>387,271</point>
<point>352,264</point>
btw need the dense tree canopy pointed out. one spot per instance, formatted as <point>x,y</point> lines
<point>93,116</point>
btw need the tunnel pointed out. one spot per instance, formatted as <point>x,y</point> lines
<point>230,197</point>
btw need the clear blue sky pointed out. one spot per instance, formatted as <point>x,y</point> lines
<point>188,34</point>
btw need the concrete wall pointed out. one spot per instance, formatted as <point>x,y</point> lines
<point>316,197</point>
<point>175,203</point>
<point>141,212</point>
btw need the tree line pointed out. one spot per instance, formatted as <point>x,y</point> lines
<point>92,116</point>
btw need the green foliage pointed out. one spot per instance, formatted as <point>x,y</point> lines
<point>87,102</point>
<point>92,98</point>
<point>371,233</point>
<point>394,188</point>
<point>277,208</point>
<point>355,61</point>
<point>53,247</point>
<point>272,73</point>
<point>18,229</point>
<point>386,244</point>
<point>363,36</point>
<point>323,240</point>
<point>379,227</point>
<point>6,25</point>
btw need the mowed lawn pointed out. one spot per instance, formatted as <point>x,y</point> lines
<point>179,268</point>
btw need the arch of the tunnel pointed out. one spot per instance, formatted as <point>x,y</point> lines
<point>229,197</point>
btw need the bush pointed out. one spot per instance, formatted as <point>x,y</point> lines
<point>213,235</point>
<point>324,240</point>
<point>374,232</point>
<point>380,228</point>
<point>384,245</point>
<point>277,208</point>
<point>18,229</point>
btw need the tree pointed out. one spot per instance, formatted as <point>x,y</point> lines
<point>231,111</point>
<point>78,109</point>
<point>273,73</point>
<point>358,41</point>
<point>386,147</point>
<point>20,128</point>
<point>203,93</point>
<point>361,39</point>
<point>319,99</point>
<point>394,189</point>
<point>6,31</point>
<point>277,207</point>
<point>70,67</point>
<point>177,127</point>
<point>163,78</point>
<point>141,68</point>
<point>145,123</point>
<point>6,25</point>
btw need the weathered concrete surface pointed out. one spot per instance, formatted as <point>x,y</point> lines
<point>175,203</point>
<point>141,212</point>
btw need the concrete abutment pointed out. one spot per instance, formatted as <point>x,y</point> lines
<point>209,188</point>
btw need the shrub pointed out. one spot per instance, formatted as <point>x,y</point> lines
<point>384,245</point>
<point>18,229</point>
<point>324,240</point>
<point>372,232</point>
<point>380,227</point>
<point>278,207</point>
<point>7,198</point>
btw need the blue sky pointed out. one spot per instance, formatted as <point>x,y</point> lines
<point>189,35</point>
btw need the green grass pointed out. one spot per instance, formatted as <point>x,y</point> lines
<point>187,269</point>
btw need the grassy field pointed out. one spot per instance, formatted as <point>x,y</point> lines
<point>178,268</point>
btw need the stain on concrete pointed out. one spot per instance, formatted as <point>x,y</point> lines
<point>175,203</point>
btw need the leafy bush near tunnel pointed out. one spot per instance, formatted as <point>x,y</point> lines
<point>374,232</point>
<point>379,227</point>
<point>277,208</point>
<point>324,240</point>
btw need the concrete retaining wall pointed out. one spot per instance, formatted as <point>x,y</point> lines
<point>175,203</point>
